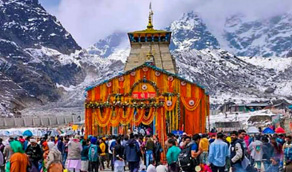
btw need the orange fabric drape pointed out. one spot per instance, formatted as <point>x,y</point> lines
<point>121,86</point>
<point>189,107</point>
<point>89,119</point>
<point>170,108</point>
<point>183,90</point>
<point>170,86</point>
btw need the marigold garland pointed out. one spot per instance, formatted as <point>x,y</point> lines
<point>116,119</point>
<point>104,121</point>
<point>125,120</point>
<point>148,119</point>
<point>139,116</point>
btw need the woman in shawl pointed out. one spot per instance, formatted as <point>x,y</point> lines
<point>19,160</point>
<point>54,159</point>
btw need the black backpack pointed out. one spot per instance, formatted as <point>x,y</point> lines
<point>185,160</point>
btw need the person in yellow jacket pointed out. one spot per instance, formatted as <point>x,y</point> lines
<point>204,146</point>
<point>102,146</point>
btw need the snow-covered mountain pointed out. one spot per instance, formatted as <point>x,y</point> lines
<point>269,37</point>
<point>190,32</point>
<point>44,71</point>
<point>264,37</point>
<point>38,57</point>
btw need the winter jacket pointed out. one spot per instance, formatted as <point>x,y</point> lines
<point>35,153</point>
<point>268,151</point>
<point>84,153</point>
<point>132,151</point>
<point>74,150</point>
<point>54,156</point>
<point>119,151</point>
<point>236,151</point>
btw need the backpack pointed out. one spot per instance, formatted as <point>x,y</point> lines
<point>185,160</point>
<point>93,153</point>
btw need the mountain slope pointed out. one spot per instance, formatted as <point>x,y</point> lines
<point>190,32</point>
<point>264,37</point>
<point>32,47</point>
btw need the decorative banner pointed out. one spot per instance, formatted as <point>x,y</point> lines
<point>143,95</point>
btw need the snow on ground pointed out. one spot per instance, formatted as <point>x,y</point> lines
<point>277,63</point>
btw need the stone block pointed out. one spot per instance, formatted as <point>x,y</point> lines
<point>19,122</point>
<point>37,122</point>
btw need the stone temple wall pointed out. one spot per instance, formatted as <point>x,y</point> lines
<point>162,57</point>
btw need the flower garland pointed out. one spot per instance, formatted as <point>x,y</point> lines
<point>148,119</point>
<point>116,119</point>
<point>104,121</point>
<point>125,120</point>
<point>139,116</point>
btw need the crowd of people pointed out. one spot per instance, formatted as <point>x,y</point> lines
<point>235,151</point>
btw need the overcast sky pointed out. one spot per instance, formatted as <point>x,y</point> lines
<point>91,20</point>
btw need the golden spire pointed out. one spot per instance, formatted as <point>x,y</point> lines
<point>150,25</point>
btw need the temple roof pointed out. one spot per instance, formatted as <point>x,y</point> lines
<point>141,66</point>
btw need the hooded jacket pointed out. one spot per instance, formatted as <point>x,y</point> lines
<point>54,156</point>
<point>132,151</point>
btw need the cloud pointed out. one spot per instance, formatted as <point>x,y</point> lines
<point>91,20</point>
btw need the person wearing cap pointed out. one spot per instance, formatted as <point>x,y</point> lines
<point>93,155</point>
<point>19,160</point>
<point>74,154</point>
<point>34,152</point>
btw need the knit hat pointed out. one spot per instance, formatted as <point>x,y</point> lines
<point>93,140</point>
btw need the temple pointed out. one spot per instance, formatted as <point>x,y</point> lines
<point>150,39</point>
<point>149,94</point>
